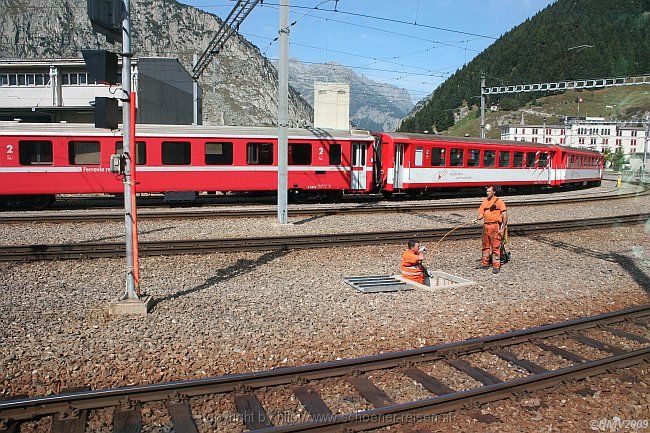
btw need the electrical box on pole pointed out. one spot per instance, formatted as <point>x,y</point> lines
<point>102,66</point>
<point>106,18</point>
<point>107,114</point>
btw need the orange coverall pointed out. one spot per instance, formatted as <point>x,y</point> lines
<point>491,210</point>
<point>412,268</point>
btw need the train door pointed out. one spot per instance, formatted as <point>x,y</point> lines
<point>398,178</point>
<point>358,173</point>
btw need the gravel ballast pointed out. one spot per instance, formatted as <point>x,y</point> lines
<point>228,313</point>
<point>162,229</point>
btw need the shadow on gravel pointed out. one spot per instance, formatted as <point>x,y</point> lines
<point>161,229</point>
<point>626,263</point>
<point>310,219</point>
<point>240,267</point>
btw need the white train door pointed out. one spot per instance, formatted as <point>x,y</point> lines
<point>398,178</point>
<point>358,173</point>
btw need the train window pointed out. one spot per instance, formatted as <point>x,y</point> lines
<point>518,159</point>
<point>488,158</point>
<point>473,157</point>
<point>83,152</point>
<point>176,153</point>
<point>35,152</point>
<point>504,159</point>
<point>335,154</point>
<point>456,157</point>
<point>543,159</point>
<point>4,80</point>
<point>299,154</point>
<point>419,156</point>
<point>356,153</point>
<point>437,157</point>
<point>218,153</point>
<point>530,159</point>
<point>140,151</point>
<point>259,154</point>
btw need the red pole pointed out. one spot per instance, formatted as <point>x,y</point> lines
<point>134,213</point>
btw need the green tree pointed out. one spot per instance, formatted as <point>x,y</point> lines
<point>616,159</point>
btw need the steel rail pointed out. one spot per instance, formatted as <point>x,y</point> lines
<point>29,408</point>
<point>268,212</point>
<point>202,246</point>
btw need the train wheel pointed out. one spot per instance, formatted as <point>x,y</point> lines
<point>39,202</point>
<point>299,196</point>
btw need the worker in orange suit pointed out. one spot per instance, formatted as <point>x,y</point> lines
<point>494,214</point>
<point>412,268</point>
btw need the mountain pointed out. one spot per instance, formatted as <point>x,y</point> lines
<point>373,105</point>
<point>242,90</point>
<point>570,39</point>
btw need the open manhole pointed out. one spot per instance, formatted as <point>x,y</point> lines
<point>377,283</point>
<point>397,283</point>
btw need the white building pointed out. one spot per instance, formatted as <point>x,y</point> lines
<point>59,90</point>
<point>332,105</point>
<point>594,133</point>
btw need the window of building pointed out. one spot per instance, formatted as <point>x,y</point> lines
<point>534,140</point>
<point>605,141</point>
<point>547,140</point>
<point>504,159</point>
<point>35,152</point>
<point>518,160</point>
<point>335,154</point>
<point>618,142</point>
<point>21,79</point>
<point>473,157</point>
<point>456,157</point>
<point>548,131</point>
<point>593,140</point>
<point>530,159</point>
<point>13,79</point>
<point>523,131</point>
<point>543,159</point>
<point>176,153</point>
<point>218,153</point>
<point>259,154</point>
<point>535,131</point>
<point>489,157</point>
<point>562,131</point>
<point>140,151</point>
<point>84,152</point>
<point>619,133</point>
<point>437,157</point>
<point>561,140</point>
<point>42,79</point>
<point>419,156</point>
<point>299,153</point>
<point>65,79</point>
<point>632,149</point>
<point>4,79</point>
<point>633,142</point>
<point>581,140</point>
<point>30,79</point>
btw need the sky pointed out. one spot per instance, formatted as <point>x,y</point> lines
<point>433,39</point>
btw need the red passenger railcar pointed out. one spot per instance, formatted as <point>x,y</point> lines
<point>422,164</point>
<point>38,161</point>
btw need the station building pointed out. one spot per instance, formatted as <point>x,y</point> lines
<point>59,90</point>
<point>593,133</point>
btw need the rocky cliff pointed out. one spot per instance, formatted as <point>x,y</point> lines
<point>240,87</point>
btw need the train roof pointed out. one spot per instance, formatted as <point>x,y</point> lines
<point>13,128</point>
<point>448,138</point>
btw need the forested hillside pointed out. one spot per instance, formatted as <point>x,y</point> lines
<point>616,39</point>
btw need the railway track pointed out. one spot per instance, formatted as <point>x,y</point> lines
<point>201,246</point>
<point>307,385</point>
<point>53,217</point>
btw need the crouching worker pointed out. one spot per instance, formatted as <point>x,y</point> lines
<point>412,268</point>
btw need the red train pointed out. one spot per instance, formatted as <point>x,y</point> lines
<point>39,161</point>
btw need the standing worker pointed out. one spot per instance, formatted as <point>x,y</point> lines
<point>412,268</point>
<point>495,220</point>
